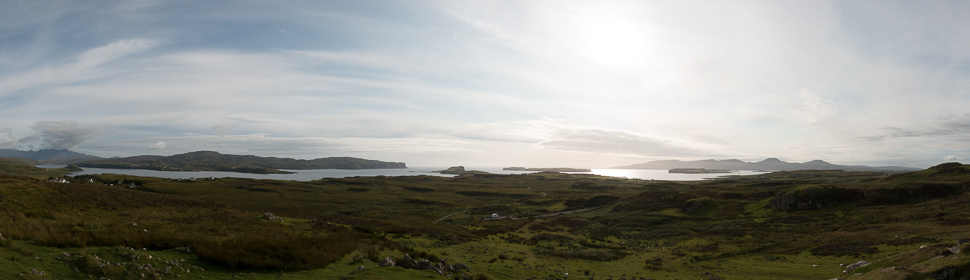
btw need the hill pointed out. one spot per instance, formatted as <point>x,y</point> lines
<point>47,156</point>
<point>772,164</point>
<point>25,167</point>
<point>214,161</point>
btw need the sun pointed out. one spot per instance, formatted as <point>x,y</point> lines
<point>612,40</point>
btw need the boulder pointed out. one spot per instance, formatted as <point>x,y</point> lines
<point>388,261</point>
<point>422,265</point>
<point>411,261</point>
<point>269,216</point>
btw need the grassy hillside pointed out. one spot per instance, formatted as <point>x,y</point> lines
<point>24,167</point>
<point>787,225</point>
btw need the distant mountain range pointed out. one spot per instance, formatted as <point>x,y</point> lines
<point>197,161</point>
<point>767,164</point>
<point>47,156</point>
<point>214,161</point>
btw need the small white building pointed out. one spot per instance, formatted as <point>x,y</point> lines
<point>494,215</point>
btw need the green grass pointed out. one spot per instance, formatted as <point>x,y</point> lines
<point>331,227</point>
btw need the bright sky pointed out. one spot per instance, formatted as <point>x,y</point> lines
<point>589,84</point>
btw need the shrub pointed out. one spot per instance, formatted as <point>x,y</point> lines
<point>699,206</point>
<point>591,255</point>
<point>813,197</point>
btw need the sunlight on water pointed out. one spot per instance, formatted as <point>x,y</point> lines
<point>307,175</point>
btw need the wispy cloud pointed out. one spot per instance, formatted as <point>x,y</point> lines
<point>536,81</point>
<point>813,109</point>
<point>79,69</point>
<point>223,127</point>
<point>943,126</point>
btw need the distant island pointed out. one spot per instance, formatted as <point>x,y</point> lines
<point>767,164</point>
<point>697,170</point>
<point>214,161</point>
<point>555,169</point>
<point>459,170</point>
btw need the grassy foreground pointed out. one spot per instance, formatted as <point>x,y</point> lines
<point>782,225</point>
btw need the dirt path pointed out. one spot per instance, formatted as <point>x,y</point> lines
<point>445,217</point>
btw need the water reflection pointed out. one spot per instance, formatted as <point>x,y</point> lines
<point>315,174</point>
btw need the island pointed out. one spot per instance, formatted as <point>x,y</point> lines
<point>555,169</point>
<point>459,170</point>
<point>697,170</point>
<point>214,161</point>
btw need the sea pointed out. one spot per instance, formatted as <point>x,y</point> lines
<point>316,174</point>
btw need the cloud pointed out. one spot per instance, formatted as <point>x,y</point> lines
<point>157,146</point>
<point>223,127</point>
<point>8,141</point>
<point>951,158</point>
<point>84,67</point>
<point>813,109</point>
<point>300,147</point>
<point>64,134</point>
<point>556,135</point>
<point>943,126</point>
<point>109,52</point>
<point>622,143</point>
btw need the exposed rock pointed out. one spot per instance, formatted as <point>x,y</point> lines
<point>422,265</point>
<point>408,259</point>
<point>388,261</point>
<point>269,216</point>
<point>943,273</point>
<point>854,266</point>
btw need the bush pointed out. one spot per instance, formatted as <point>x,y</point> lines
<point>591,255</point>
<point>813,197</point>
<point>699,206</point>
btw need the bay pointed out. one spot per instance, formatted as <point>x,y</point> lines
<point>315,174</point>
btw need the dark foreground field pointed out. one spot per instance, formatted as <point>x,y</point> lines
<point>783,225</point>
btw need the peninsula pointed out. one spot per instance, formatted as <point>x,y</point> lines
<point>697,171</point>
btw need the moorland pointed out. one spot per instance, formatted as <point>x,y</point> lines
<point>808,224</point>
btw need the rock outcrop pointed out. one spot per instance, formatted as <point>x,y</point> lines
<point>851,267</point>
<point>441,267</point>
<point>388,261</point>
<point>269,216</point>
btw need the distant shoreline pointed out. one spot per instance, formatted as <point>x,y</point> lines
<point>554,169</point>
<point>316,174</point>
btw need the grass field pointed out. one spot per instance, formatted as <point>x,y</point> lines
<point>783,225</point>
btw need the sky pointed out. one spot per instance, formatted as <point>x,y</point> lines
<point>585,84</point>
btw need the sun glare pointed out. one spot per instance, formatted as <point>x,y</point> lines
<point>612,40</point>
